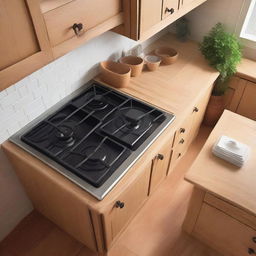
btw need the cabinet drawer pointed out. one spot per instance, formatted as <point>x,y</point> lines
<point>170,7</point>
<point>224,233</point>
<point>231,210</point>
<point>132,200</point>
<point>181,135</point>
<point>59,21</point>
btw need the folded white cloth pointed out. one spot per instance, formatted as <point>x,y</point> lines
<point>231,150</point>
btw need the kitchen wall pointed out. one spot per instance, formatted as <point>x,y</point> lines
<point>229,12</point>
<point>27,99</point>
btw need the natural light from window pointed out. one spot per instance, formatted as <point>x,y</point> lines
<point>249,27</point>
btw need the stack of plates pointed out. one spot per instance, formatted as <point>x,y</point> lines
<point>231,150</point>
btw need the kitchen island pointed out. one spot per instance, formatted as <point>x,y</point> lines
<point>222,211</point>
<point>183,89</point>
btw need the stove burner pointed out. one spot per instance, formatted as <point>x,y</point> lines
<point>65,134</point>
<point>97,103</point>
<point>97,160</point>
<point>132,117</point>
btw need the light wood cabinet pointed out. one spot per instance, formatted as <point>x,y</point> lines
<point>24,46</point>
<point>150,13</point>
<point>160,166</point>
<point>188,130</point>
<point>170,7</point>
<point>149,17</point>
<point>240,97</point>
<point>227,234</point>
<point>72,23</point>
<point>247,105</point>
<point>128,203</point>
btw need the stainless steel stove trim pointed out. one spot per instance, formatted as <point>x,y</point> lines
<point>103,190</point>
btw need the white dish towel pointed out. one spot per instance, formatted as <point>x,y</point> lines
<point>231,150</point>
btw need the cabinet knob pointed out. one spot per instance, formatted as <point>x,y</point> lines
<point>251,251</point>
<point>181,141</point>
<point>254,239</point>
<point>195,109</point>
<point>160,156</point>
<point>119,204</point>
<point>179,155</point>
<point>78,28</point>
<point>182,130</point>
<point>171,10</point>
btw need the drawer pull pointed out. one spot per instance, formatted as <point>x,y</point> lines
<point>119,204</point>
<point>181,141</point>
<point>160,157</point>
<point>171,10</point>
<point>254,239</point>
<point>195,109</point>
<point>182,130</point>
<point>78,28</point>
<point>251,251</point>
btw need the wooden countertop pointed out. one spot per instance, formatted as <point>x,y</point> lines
<point>175,88</point>
<point>247,70</point>
<point>222,178</point>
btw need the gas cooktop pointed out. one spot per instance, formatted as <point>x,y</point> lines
<point>93,136</point>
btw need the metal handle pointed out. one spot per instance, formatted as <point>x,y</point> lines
<point>78,28</point>
<point>160,156</point>
<point>195,109</point>
<point>171,10</point>
<point>254,239</point>
<point>182,130</point>
<point>181,141</point>
<point>251,251</point>
<point>119,204</point>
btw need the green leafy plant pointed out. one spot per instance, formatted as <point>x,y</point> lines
<point>223,52</point>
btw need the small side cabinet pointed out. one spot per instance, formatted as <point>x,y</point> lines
<point>240,97</point>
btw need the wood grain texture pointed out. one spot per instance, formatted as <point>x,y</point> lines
<point>235,185</point>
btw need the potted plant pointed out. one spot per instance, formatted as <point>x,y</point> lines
<point>223,52</point>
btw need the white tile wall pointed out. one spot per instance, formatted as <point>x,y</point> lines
<point>28,98</point>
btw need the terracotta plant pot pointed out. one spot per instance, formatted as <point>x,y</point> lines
<point>116,74</point>
<point>214,110</point>
<point>134,62</point>
<point>168,55</point>
<point>152,62</point>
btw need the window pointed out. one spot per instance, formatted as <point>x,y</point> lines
<point>249,26</point>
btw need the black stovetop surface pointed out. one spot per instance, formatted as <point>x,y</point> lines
<point>94,133</point>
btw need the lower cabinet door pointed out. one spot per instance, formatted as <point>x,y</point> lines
<point>160,167</point>
<point>128,204</point>
<point>224,233</point>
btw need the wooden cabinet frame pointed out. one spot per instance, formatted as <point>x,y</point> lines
<point>30,64</point>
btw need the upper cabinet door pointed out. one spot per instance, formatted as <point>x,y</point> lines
<point>71,23</point>
<point>24,45</point>
<point>170,7</point>
<point>150,14</point>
